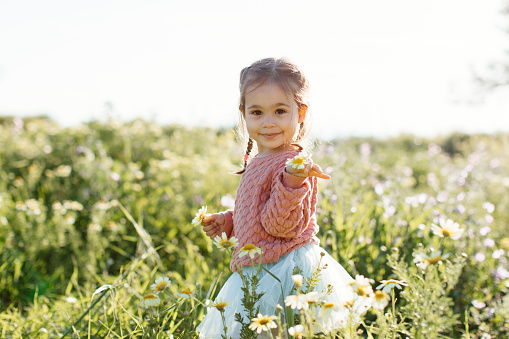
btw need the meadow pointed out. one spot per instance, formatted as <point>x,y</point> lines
<point>91,216</point>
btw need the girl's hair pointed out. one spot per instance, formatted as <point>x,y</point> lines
<point>273,71</point>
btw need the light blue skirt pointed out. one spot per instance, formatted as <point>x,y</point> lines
<point>307,259</point>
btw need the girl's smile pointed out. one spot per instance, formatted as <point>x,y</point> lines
<point>272,118</point>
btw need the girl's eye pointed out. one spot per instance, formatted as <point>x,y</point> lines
<point>280,111</point>
<point>256,112</point>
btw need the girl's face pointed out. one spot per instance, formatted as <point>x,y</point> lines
<point>272,118</point>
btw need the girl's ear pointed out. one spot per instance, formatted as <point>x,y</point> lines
<point>303,110</point>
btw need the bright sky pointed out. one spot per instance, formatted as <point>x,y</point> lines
<point>376,67</point>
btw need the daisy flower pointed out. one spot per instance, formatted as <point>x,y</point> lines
<point>312,297</point>
<point>160,284</point>
<point>262,323</point>
<point>380,300</point>
<point>200,215</point>
<point>298,279</point>
<point>362,286</point>
<point>388,285</point>
<point>298,162</point>
<point>447,228</point>
<point>296,331</point>
<point>223,242</point>
<point>297,301</point>
<point>186,294</point>
<point>328,308</point>
<point>422,260</point>
<point>150,300</point>
<point>249,249</point>
<point>220,304</point>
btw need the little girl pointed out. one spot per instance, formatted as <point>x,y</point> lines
<point>275,203</point>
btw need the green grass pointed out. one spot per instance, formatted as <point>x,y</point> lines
<point>63,235</point>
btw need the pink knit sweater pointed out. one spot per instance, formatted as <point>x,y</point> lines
<point>274,210</point>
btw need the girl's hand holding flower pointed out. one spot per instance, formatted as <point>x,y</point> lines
<point>211,223</point>
<point>304,167</point>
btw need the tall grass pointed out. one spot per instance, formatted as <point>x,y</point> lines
<point>111,204</point>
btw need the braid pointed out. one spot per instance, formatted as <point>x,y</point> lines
<point>246,156</point>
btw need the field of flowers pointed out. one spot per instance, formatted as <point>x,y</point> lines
<point>97,239</point>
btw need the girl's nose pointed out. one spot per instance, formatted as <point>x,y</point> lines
<point>268,120</point>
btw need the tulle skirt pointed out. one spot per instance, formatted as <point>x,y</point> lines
<point>307,259</point>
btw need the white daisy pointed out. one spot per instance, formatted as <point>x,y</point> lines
<point>223,242</point>
<point>447,228</point>
<point>262,323</point>
<point>150,300</point>
<point>296,331</point>
<point>249,249</point>
<point>388,285</point>
<point>299,301</point>
<point>298,162</point>
<point>200,215</point>
<point>160,284</point>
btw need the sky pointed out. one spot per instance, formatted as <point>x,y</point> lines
<point>376,68</point>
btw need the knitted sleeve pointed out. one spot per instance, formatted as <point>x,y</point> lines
<point>291,205</point>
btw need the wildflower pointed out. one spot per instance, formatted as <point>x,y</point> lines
<point>150,300</point>
<point>387,285</point>
<point>447,228</point>
<point>488,242</point>
<point>479,257</point>
<point>186,294</point>
<point>223,242</point>
<point>249,249</point>
<point>296,331</point>
<point>422,260</point>
<point>362,286</point>
<point>101,205</point>
<point>297,301</point>
<point>200,215</point>
<point>328,308</point>
<point>63,171</point>
<point>262,323</point>
<point>298,162</point>
<point>160,284</point>
<point>312,297</point>
<point>478,304</point>
<point>220,305</point>
<point>71,300</point>
<point>381,299</point>
<point>33,206</point>
<point>298,279</point>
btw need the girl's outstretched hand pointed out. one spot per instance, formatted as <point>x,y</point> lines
<point>305,168</point>
<point>212,222</point>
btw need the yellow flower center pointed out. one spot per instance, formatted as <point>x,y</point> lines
<point>391,281</point>
<point>299,160</point>
<point>264,321</point>
<point>161,286</point>
<point>379,295</point>
<point>434,260</point>
<point>349,303</point>
<point>363,290</point>
<point>249,247</point>
<point>150,297</point>
<point>187,292</point>
<point>226,244</point>
<point>446,233</point>
<point>220,306</point>
<point>328,305</point>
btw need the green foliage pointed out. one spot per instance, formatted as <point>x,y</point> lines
<point>63,234</point>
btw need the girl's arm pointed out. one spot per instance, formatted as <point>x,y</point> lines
<point>291,205</point>
<point>217,223</point>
